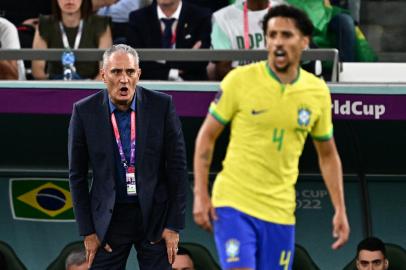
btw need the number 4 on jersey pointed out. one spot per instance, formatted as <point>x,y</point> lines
<point>278,138</point>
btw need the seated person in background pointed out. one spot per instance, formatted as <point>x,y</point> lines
<point>333,27</point>
<point>119,11</point>
<point>171,24</point>
<point>353,6</point>
<point>183,260</point>
<point>237,26</point>
<point>76,260</point>
<point>371,255</point>
<point>10,69</point>
<point>71,26</point>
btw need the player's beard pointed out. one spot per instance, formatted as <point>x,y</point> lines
<point>280,52</point>
<point>282,69</point>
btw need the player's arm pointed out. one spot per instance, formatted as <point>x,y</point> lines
<point>331,170</point>
<point>203,210</point>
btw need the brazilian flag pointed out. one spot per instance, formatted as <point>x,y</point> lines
<point>41,199</point>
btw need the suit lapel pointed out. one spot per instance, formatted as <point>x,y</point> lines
<point>181,27</point>
<point>106,132</point>
<point>142,125</point>
<point>155,26</point>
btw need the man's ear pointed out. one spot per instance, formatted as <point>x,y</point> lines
<point>357,263</point>
<point>386,264</point>
<point>102,74</point>
<point>305,42</point>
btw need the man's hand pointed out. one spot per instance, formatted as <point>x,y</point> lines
<point>341,229</point>
<point>203,211</point>
<point>92,244</point>
<point>171,240</point>
<point>197,45</point>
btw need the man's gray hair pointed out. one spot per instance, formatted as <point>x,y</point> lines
<point>76,257</point>
<point>120,48</point>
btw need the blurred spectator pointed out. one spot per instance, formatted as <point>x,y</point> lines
<point>371,254</point>
<point>183,260</point>
<point>76,260</point>
<point>119,11</point>
<point>171,24</point>
<point>10,69</point>
<point>238,26</point>
<point>70,26</point>
<point>333,27</point>
<point>353,6</point>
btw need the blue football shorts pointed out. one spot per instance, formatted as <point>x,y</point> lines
<point>244,241</point>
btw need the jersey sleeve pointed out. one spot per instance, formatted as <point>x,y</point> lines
<point>225,104</point>
<point>323,128</point>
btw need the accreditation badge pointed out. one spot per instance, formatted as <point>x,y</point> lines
<point>130,180</point>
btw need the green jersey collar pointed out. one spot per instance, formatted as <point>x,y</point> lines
<point>273,75</point>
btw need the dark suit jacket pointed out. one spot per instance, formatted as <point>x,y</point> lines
<point>160,164</point>
<point>145,32</point>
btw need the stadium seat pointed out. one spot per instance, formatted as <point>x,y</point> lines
<point>11,259</point>
<point>59,262</point>
<point>302,260</point>
<point>201,256</point>
<point>396,257</point>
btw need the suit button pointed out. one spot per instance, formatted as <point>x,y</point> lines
<point>111,211</point>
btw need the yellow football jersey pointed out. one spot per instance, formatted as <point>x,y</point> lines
<point>269,125</point>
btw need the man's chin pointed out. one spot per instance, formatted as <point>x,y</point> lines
<point>123,101</point>
<point>281,69</point>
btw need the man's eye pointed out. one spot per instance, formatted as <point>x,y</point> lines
<point>130,72</point>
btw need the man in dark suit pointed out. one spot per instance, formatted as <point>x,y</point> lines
<point>133,140</point>
<point>171,24</point>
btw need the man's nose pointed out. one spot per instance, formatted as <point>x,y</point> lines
<point>278,40</point>
<point>124,78</point>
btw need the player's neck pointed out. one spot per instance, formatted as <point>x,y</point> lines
<point>288,76</point>
<point>254,5</point>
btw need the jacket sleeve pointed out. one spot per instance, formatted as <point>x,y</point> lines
<point>176,169</point>
<point>196,70</point>
<point>78,174</point>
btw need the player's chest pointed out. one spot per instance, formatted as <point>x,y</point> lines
<point>287,110</point>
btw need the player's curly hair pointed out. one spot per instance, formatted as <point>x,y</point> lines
<point>300,18</point>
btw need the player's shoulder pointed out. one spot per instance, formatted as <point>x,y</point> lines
<point>91,99</point>
<point>249,68</point>
<point>312,81</point>
<point>242,78</point>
